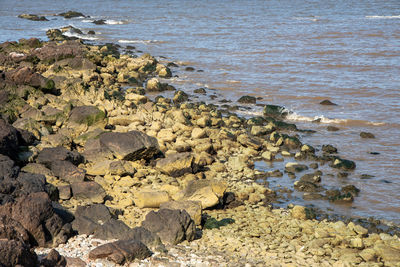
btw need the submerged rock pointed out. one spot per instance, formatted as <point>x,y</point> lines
<point>71,14</point>
<point>327,102</point>
<point>247,99</point>
<point>32,17</point>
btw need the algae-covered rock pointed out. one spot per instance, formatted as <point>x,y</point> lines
<point>32,17</point>
<point>88,115</point>
<point>213,223</point>
<point>275,111</point>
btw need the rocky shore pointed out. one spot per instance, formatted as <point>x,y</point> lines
<point>95,172</point>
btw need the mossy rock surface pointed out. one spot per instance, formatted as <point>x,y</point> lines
<point>212,223</point>
<point>275,111</point>
<point>88,115</point>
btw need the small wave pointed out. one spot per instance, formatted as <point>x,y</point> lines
<point>322,119</point>
<point>233,81</point>
<point>116,22</point>
<point>80,36</point>
<point>88,20</point>
<point>306,18</point>
<point>123,41</point>
<point>383,17</point>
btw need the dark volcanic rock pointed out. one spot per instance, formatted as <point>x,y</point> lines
<point>67,171</point>
<point>121,251</point>
<point>48,155</point>
<point>247,99</point>
<point>7,168</point>
<point>36,214</point>
<point>343,164</point>
<point>88,191</point>
<point>11,229</point>
<point>88,115</point>
<point>172,226</point>
<point>16,253</point>
<point>133,145</point>
<point>53,259</point>
<point>100,22</point>
<point>52,52</point>
<point>275,111</point>
<point>8,139</point>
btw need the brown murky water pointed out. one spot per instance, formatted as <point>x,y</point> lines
<point>292,53</point>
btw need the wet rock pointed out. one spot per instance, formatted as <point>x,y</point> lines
<point>32,17</point>
<point>99,22</point>
<point>339,197</point>
<point>327,102</point>
<point>177,164</point>
<point>193,208</point>
<point>71,14</point>
<point>190,69</point>
<point>350,189</point>
<point>367,135</point>
<point>332,128</point>
<point>208,192</point>
<point>344,164</point>
<point>36,214</point>
<point>302,213</point>
<point>121,251</point>
<point>247,99</point>
<point>154,85</point>
<point>180,97</point>
<point>53,259</point>
<point>8,139</point>
<point>88,115</point>
<point>150,199</point>
<point>67,171</point>
<point>329,149</point>
<point>295,167</point>
<point>133,145</point>
<point>48,155</point>
<point>172,226</point>
<point>90,192</point>
<point>311,177</point>
<point>200,91</point>
<point>306,186</point>
<point>57,35</point>
<point>16,253</point>
<point>274,111</point>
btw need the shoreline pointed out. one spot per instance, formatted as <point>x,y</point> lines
<point>69,95</point>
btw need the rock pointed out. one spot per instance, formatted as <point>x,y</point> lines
<point>16,253</point>
<point>213,223</point>
<point>295,167</point>
<point>247,99</point>
<point>53,52</point>
<point>36,214</point>
<point>150,199</point>
<point>154,85</point>
<point>177,164</point>
<point>11,229</point>
<point>268,155</point>
<point>193,208</point>
<point>53,259</point>
<point>75,262</point>
<point>327,102</point>
<point>275,111</point>
<point>329,149</point>
<point>71,14</point>
<point>198,133</point>
<point>26,76</point>
<point>32,17</point>
<point>180,97</point>
<point>366,135</point>
<point>387,253</point>
<point>121,251</point>
<point>133,145</point>
<point>200,91</point>
<point>143,235</point>
<point>208,192</point>
<point>88,115</point>
<point>172,226</point>
<point>344,164</point>
<point>8,139</point>
<point>7,168</point>
<point>249,141</point>
<point>67,171</point>
<point>64,192</point>
<point>100,22</point>
<point>332,128</point>
<point>48,155</point>
<point>91,192</point>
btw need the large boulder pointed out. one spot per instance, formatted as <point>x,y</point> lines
<point>193,208</point>
<point>208,192</point>
<point>133,145</point>
<point>52,52</point>
<point>11,229</point>
<point>89,191</point>
<point>7,168</point>
<point>121,251</point>
<point>67,171</point>
<point>48,155</point>
<point>88,115</point>
<point>36,214</point>
<point>53,259</point>
<point>8,139</point>
<point>176,164</point>
<point>16,253</point>
<point>172,226</point>
<point>26,76</point>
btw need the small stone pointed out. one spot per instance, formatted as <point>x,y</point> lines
<point>367,135</point>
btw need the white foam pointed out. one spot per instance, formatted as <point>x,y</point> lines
<point>307,18</point>
<point>383,17</point>
<point>80,36</point>
<point>321,118</point>
<point>88,20</point>
<point>116,22</point>
<point>124,41</point>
